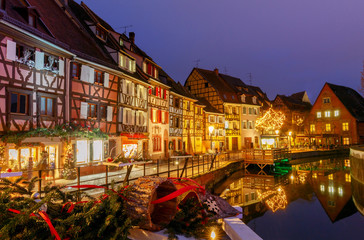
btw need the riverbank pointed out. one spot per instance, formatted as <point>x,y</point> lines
<point>319,153</point>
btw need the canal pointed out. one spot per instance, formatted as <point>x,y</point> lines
<point>311,199</point>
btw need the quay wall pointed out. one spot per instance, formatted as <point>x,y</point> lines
<point>357,176</point>
<point>318,153</point>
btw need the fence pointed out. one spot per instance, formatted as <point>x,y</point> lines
<point>104,175</point>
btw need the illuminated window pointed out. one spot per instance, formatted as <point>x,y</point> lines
<point>326,100</point>
<point>244,110</point>
<point>19,103</point>
<point>346,141</point>
<point>212,119</point>
<point>322,188</point>
<point>97,150</point>
<point>244,124</point>
<point>328,127</point>
<point>327,113</point>
<point>340,190</point>
<point>347,177</point>
<point>312,128</point>
<point>318,114</point>
<point>347,162</point>
<point>331,189</point>
<point>331,176</point>
<point>154,115</point>
<point>345,126</point>
<point>81,151</point>
<point>314,175</point>
<point>336,113</point>
<point>47,106</point>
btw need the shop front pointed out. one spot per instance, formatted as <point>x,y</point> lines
<point>269,141</point>
<point>134,146</point>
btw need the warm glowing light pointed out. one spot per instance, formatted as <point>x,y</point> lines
<point>340,190</point>
<point>314,175</point>
<point>130,150</point>
<point>322,188</point>
<point>292,177</point>
<point>275,199</point>
<point>211,129</point>
<point>176,162</point>
<point>331,177</point>
<point>347,163</point>
<point>277,131</point>
<point>270,121</point>
<point>213,234</point>
<point>331,189</point>
<point>290,133</point>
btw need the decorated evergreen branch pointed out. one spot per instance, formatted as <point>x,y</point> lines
<point>102,219</point>
<point>69,167</point>
<point>192,220</point>
<point>62,131</point>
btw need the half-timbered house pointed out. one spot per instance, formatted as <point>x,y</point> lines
<point>33,65</point>
<point>128,89</point>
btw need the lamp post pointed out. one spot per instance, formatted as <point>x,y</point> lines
<point>277,133</point>
<point>289,140</point>
<point>211,129</point>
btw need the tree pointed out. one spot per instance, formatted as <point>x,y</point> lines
<point>270,121</point>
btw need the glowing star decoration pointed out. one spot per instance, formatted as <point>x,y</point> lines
<point>274,199</point>
<point>270,121</point>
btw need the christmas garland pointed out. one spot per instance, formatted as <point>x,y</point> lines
<point>63,131</point>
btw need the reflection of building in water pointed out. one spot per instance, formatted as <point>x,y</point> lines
<point>331,182</point>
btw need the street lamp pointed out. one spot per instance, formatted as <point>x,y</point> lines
<point>289,140</point>
<point>211,129</point>
<point>277,132</point>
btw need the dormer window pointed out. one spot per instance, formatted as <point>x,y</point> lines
<point>32,20</point>
<point>127,63</point>
<point>101,33</point>
<point>121,42</point>
<point>151,70</point>
<point>243,98</point>
<point>254,100</point>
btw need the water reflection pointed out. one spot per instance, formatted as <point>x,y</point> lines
<point>325,181</point>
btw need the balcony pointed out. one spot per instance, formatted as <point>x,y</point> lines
<point>232,132</point>
<point>232,117</point>
<point>156,101</point>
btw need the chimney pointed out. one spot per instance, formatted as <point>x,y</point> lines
<point>216,71</point>
<point>132,37</point>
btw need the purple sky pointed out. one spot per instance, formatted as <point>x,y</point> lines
<point>287,45</point>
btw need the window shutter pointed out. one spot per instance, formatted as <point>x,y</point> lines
<point>91,75</point>
<point>61,67</point>
<point>164,93</point>
<point>124,86</point>
<point>137,120</point>
<point>84,73</point>
<point>125,112</point>
<point>121,114</point>
<point>166,117</point>
<point>151,114</point>
<point>106,80</point>
<point>133,117</point>
<point>83,111</point>
<point>159,116</point>
<point>39,60</point>
<point>132,89</point>
<point>11,50</point>
<point>109,113</point>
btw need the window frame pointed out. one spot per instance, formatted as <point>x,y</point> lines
<point>89,106</point>
<point>98,77</point>
<point>76,70</point>
<point>53,114</point>
<point>27,105</point>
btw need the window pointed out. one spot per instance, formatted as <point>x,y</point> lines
<point>347,177</point>
<point>318,114</point>
<point>103,111</point>
<point>346,141</point>
<point>100,32</point>
<point>47,106</point>
<point>98,77</point>
<point>249,125</point>
<point>328,127</point>
<point>345,126</point>
<point>255,111</point>
<point>212,119</point>
<point>19,103</point>
<point>244,110</point>
<point>92,110</point>
<point>97,150</point>
<point>254,100</point>
<point>157,143</point>
<point>250,111</point>
<point>206,85</point>
<point>243,98</point>
<point>76,70</point>
<point>312,128</point>
<point>327,114</point>
<point>50,62</point>
<point>221,120</point>
<point>326,100</point>
<point>151,69</point>
<point>244,124</point>
<point>336,113</point>
<point>32,20</point>
<point>24,54</point>
<point>154,115</point>
<point>126,62</point>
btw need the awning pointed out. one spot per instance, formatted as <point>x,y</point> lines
<point>134,135</point>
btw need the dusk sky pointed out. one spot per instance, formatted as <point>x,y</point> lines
<point>287,45</point>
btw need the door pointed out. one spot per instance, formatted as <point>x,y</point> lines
<point>235,144</point>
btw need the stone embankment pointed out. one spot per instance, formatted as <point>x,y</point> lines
<point>357,176</point>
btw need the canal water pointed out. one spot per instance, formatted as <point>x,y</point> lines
<point>309,200</point>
